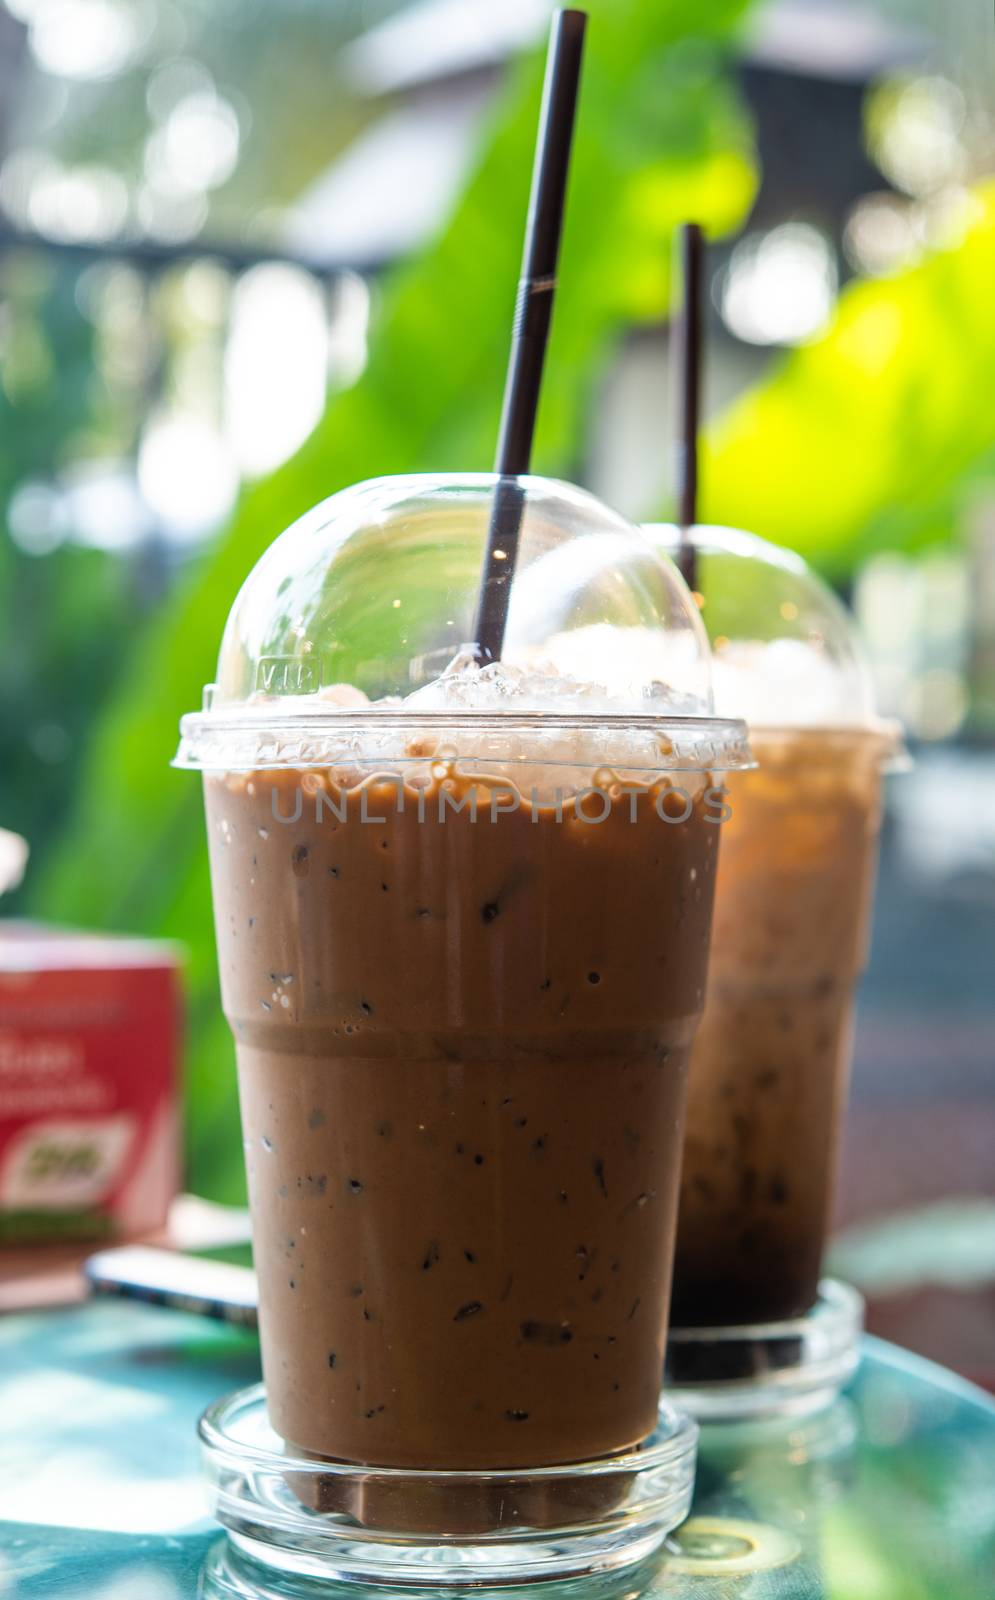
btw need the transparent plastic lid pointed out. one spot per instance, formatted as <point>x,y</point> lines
<point>13,859</point>
<point>784,649</point>
<point>357,617</point>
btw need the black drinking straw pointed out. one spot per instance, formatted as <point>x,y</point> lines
<point>687,338</point>
<point>530,329</point>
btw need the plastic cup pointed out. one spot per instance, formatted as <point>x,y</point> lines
<point>463,938</point>
<point>772,1056</point>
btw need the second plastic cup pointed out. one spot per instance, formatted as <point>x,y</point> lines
<point>772,1056</point>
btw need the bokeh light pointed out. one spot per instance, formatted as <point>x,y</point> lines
<point>914,129</point>
<point>881,234</point>
<point>102,506</point>
<point>779,287</point>
<point>35,518</point>
<point>87,39</point>
<point>186,474</point>
<point>349,331</point>
<point>85,204</point>
<point>276,365</point>
<point>176,80</point>
<point>196,147</point>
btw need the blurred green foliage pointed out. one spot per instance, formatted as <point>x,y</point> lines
<point>875,436</point>
<point>57,613</point>
<point>661,136</point>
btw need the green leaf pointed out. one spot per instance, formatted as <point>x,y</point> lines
<point>871,437</point>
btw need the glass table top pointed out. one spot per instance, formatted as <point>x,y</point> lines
<point>888,1495</point>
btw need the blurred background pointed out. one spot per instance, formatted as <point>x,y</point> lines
<point>249,254</point>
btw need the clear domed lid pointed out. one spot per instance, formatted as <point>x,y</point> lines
<point>365,605</point>
<point>784,648</point>
<point>376,588</point>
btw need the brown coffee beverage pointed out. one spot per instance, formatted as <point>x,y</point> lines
<point>462,1049</point>
<point>772,1055</point>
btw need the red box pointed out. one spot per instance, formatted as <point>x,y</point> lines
<point>89,1083</point>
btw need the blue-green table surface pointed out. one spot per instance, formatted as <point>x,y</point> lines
<point>889,1495</point>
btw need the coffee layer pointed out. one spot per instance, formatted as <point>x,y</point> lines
<point>462,1048</point>
<point>772,1054</point>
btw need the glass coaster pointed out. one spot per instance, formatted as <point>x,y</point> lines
<point>336,1520</point>
<point>772,1368</point>
<point>227,1574</point>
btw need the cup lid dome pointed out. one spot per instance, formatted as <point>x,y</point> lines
<point>785,651</point>
<point>371,596</point>
<point>354,624</point>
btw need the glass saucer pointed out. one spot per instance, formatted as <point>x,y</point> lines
<point>772,1368</point>
<point>337,1520</point>
<point>228,1574</point>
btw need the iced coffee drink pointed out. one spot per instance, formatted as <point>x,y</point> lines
<point>463,919</point>
<point>462,1049</point>
<point>772,1055</point>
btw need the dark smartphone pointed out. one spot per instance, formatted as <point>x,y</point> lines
<point>217,1283</point>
